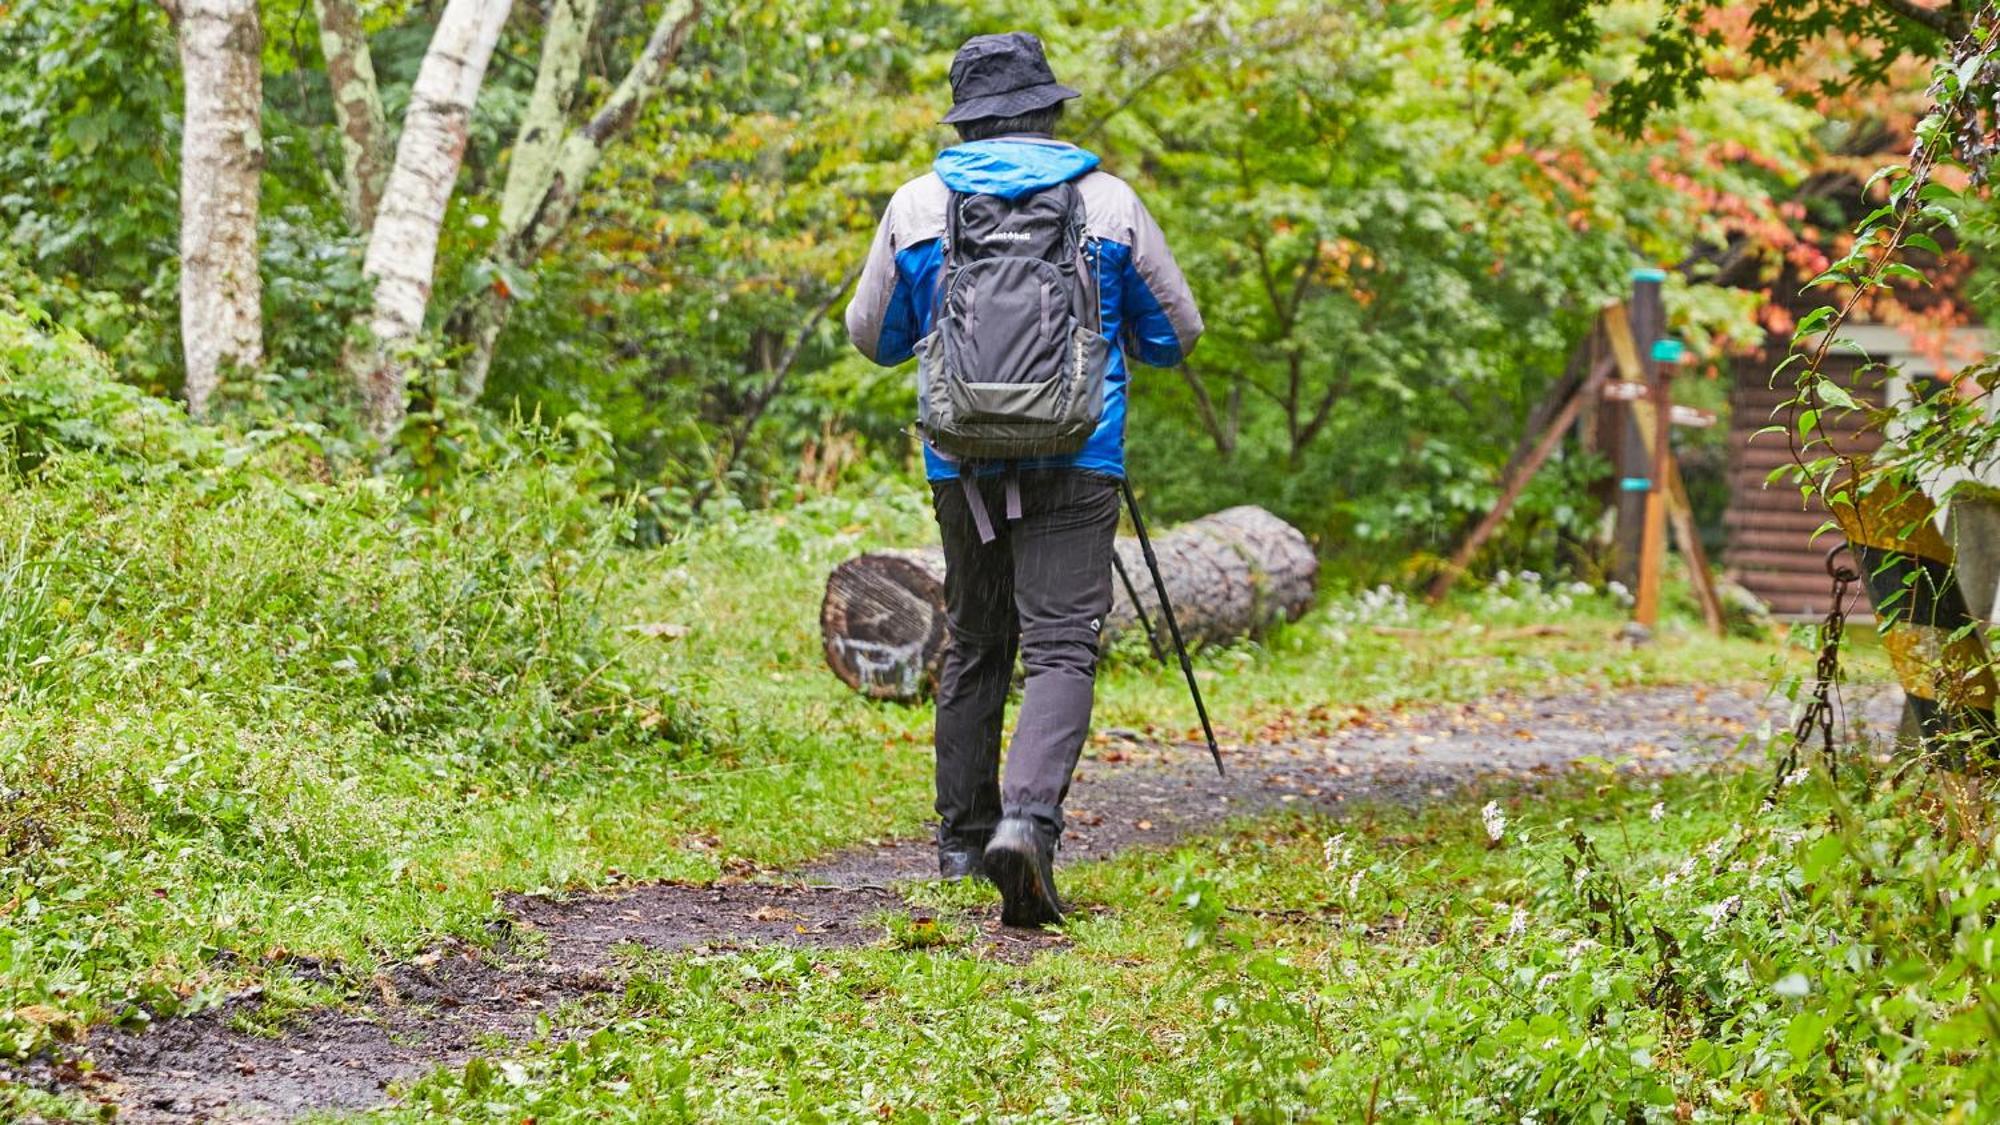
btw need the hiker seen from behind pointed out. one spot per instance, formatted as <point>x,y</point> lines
<point>1021,277</point>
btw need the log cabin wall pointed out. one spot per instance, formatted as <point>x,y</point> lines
<point>1772,551</point>
<point>1771,548</point>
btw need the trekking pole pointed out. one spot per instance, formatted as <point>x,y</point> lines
<point>1138,610</point>
<point>1173,626</point>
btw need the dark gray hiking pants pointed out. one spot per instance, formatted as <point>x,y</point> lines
<point>1044,585</point>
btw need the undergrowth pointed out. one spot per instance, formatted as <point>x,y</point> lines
<point>263,708</point>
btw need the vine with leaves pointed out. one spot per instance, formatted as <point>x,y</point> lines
<point>1934,443</point>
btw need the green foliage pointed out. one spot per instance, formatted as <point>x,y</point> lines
<point>722,236</point>
<point>1709,959</point>
<point>1397,242</point>
<point>1397,247</point>
<point>58,394</point>
<point>1669,63</point>
<point>93,120</point>
<point>88,174</point>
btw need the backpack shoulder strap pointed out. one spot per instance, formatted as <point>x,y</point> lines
<point>1076,218</point>
<point>948,250</point>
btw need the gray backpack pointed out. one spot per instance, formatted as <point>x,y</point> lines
<point>1015,363</point>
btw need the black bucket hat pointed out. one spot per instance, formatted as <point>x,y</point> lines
<point>1001,76</point>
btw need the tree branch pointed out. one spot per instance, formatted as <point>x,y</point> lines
<point>1944,20</point>
<point>1225,443</point>
<point>761,399</point>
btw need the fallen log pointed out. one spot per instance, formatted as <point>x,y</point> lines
<point>1232,574</point>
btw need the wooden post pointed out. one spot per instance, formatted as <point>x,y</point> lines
<point>1625,350</point>
<point>1648,319</point>
<point>1653,544</point>
<point>1644,317</point>
<point>1681,511</point>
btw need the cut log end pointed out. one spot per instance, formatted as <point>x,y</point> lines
<point>883,623</point>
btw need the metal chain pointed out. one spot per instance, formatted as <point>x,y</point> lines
<point>1817,718</point>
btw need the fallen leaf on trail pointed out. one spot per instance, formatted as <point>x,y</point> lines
<point>773,914</point>
<point>59,1022</point>
<point>1144,826</point>
<point>665,630</point>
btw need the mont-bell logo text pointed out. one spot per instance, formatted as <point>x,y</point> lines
<point>1009,236</point>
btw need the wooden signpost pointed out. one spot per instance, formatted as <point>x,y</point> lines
<point>1628,343</point>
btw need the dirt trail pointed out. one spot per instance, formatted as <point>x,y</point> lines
<point>455,1002</point>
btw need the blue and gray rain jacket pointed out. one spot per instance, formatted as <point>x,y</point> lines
<point>1148,311</point>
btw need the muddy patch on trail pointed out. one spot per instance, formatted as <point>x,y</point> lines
<point>438,1010</point>
<point>451,1004</point>
<point>584,930</point>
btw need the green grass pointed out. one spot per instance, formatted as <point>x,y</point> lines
<point>1390,965</point>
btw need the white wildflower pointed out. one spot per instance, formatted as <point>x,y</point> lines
<point>1721,913</point>
<point>1658,812</point>
<point>1354,884</point>
<point>1496,822</point>
<point>1519,925</point>
<point>1796,776</point>
<point>1338,852</point>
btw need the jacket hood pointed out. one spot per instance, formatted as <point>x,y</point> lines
<point>1010,168</point>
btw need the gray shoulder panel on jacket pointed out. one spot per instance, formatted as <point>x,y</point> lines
<point>1116,213</point>
<point>915,213</point>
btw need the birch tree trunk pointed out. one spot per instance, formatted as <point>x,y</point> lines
<point>357,109</point>
<point>546,119</point>
<point>546,174</point>
<point>402,250</point>
<point>222,154</point>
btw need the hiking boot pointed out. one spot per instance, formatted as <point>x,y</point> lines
<point>960,859</point>
<point>1021,862</point>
